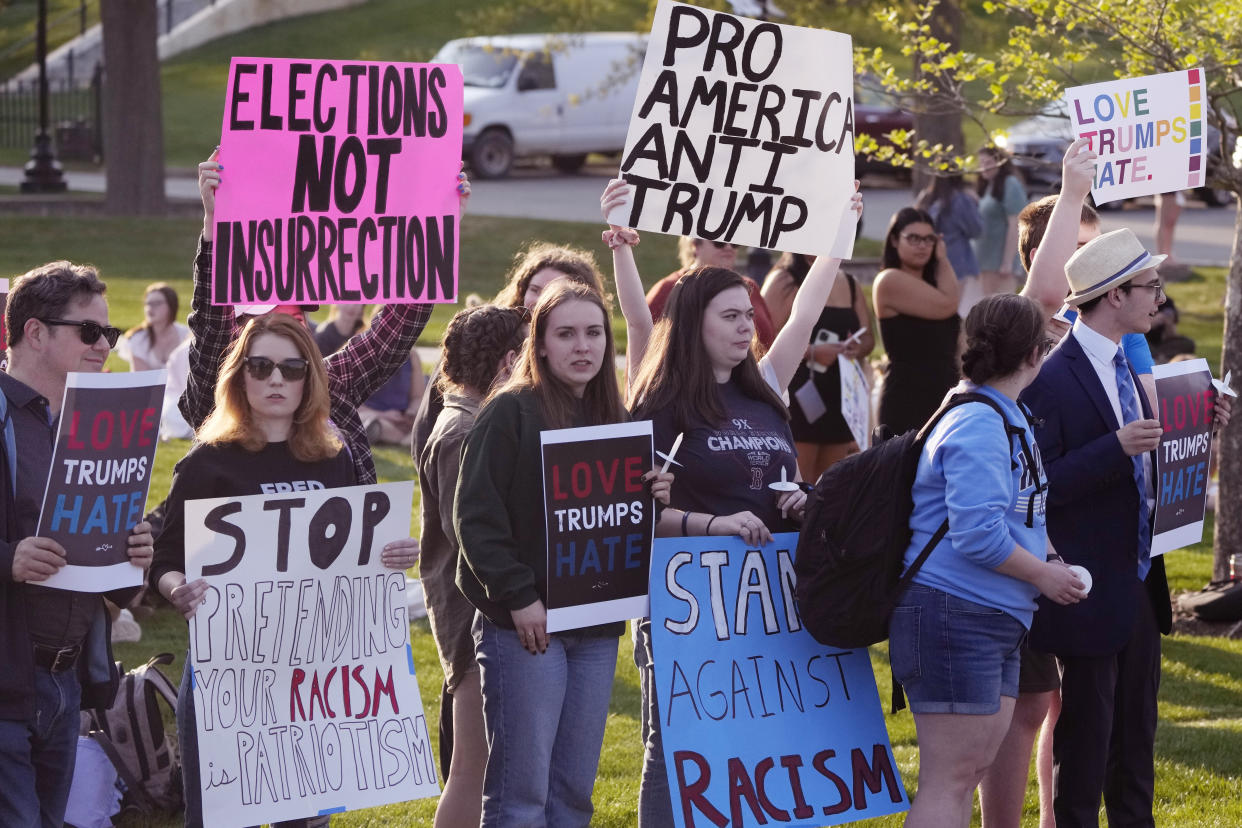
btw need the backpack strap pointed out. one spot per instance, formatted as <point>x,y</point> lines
<point>158,680</point>
<point>132,784</point>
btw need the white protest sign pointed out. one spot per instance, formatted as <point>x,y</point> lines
<point>855,400</point>
<point>742,131</point>
<point>304,687</point>
<point>1150,133</point>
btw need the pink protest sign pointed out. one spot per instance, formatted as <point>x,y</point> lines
<point>339,183</point>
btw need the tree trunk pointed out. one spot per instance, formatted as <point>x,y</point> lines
<point>939,118</point>
<point>133,126</point>
<point>1228,539</point>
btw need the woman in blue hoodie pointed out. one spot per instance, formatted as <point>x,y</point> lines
<point>956,632</point>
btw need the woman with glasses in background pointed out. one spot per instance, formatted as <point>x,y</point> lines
<point>270,426</point>
<point>916,296</point>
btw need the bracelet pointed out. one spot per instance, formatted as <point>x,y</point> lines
<point>685,516</point>
<point>708,529</point>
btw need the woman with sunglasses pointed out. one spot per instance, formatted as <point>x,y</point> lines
<point>545,696</point>
<point>916,299</point>
<point>955,634</point>
<point>270,426</point>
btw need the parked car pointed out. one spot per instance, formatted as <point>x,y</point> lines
<point>561,95</point>
<point>876,115</point>
<point>1038,144</point>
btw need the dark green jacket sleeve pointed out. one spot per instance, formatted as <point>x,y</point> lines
<point>497,487</point>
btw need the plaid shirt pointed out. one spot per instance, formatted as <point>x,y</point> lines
<point>354,372</point>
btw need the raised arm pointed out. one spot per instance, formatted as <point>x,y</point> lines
<point>1046,282</point>
<point>897,291</point>
<point>213,326</point>
<point>630,295</point>
<point>789,347</point>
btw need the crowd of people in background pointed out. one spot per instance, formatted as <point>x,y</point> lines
<point>710,352</point>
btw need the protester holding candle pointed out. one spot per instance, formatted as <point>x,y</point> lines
<point>269,426</point>
<point>956,631</point>
<point>545,697</point>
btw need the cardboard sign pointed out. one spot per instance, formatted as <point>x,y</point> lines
<point>1150,133</point>
<point>760,722</point>
<point>1187,406</point>
<point>600,521</point>
<point>4,329</point>
<point>101,470</point>
<point>742,131</point>
<point>339,183</point>
<point>304,685</point>
<point>855,400</point>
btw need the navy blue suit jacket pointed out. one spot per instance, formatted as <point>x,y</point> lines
<point>1093,508</point>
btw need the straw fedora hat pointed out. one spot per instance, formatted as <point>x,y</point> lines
<point>1106,262</point>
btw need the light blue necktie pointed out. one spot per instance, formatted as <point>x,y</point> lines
<point>1130,411</point>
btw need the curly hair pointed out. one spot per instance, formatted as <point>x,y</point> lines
<point>312,436</point>
<point>475,342</point>
<point>578,265</point>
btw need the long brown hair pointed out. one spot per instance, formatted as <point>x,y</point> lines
<point>601,401</point>
<point>312,436</point>
<point>577,264</point>
<point>676,372</point>
<point>170,296</point>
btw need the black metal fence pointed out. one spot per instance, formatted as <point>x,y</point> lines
<point>75,116</point>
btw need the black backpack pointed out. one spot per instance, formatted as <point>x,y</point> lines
<point>856,530</point>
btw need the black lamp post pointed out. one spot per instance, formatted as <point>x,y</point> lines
<point>43,172</point>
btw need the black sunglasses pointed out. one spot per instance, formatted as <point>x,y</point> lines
<point>88,330</point>
<point>291,370</point>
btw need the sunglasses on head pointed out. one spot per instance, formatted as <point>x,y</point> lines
<point>291,370</point>
<point>88,330</point>
<point>719,245</point>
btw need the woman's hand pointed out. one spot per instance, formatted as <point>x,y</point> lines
<point>1059,584</point>
<point>531,624</point>
<point>400,554</point>
<point>942,250</point>
<point>463,190</point>
<point>661,485</point>
<point>615,195</point>
<point>825,353</point>
<point>188,597</point>
<point>208,180</point>
<point>745,524</point>
<point>792,503</point>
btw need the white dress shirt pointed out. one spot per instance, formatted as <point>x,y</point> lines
<point>1100,352</point>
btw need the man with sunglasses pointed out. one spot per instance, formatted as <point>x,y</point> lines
<point>54,644</point>
<point>1098,441</point>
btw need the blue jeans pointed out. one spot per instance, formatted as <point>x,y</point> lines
<point>655,803</point>
<point>37,755</point>
<point>545,716</point>
<point>953,655</point>
<point>191,781</point>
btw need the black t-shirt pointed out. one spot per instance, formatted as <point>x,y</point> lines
<point>727,468</point>
<point>231,471</point>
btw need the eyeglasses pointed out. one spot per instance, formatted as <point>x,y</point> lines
<point>88,330</point>
<point>914,238</point>
<point>291,370</point>
<point>1048,344</point>
<point>1157,287</point>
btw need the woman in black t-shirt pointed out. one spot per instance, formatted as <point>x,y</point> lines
<point>269,427</point>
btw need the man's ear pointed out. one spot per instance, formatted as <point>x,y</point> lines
<point>35,332</point>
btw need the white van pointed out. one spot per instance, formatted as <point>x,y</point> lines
<point>545,94</point>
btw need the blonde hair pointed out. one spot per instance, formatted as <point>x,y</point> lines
<point>312,436</point>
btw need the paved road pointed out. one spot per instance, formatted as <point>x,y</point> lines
<point>1204,235</point>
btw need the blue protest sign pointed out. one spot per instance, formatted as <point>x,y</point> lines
<point>760,722</point>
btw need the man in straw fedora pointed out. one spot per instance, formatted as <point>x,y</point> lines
<point>1098,441</point>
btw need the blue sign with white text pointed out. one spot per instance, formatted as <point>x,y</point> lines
<point>761,723</point>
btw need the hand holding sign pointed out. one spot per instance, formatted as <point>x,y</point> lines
<point>1078,169</point>
<point>141,545</point>
<point>37,559</point>
<point>208,181</point>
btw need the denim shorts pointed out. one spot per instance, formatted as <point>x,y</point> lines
<point>952,655</point>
